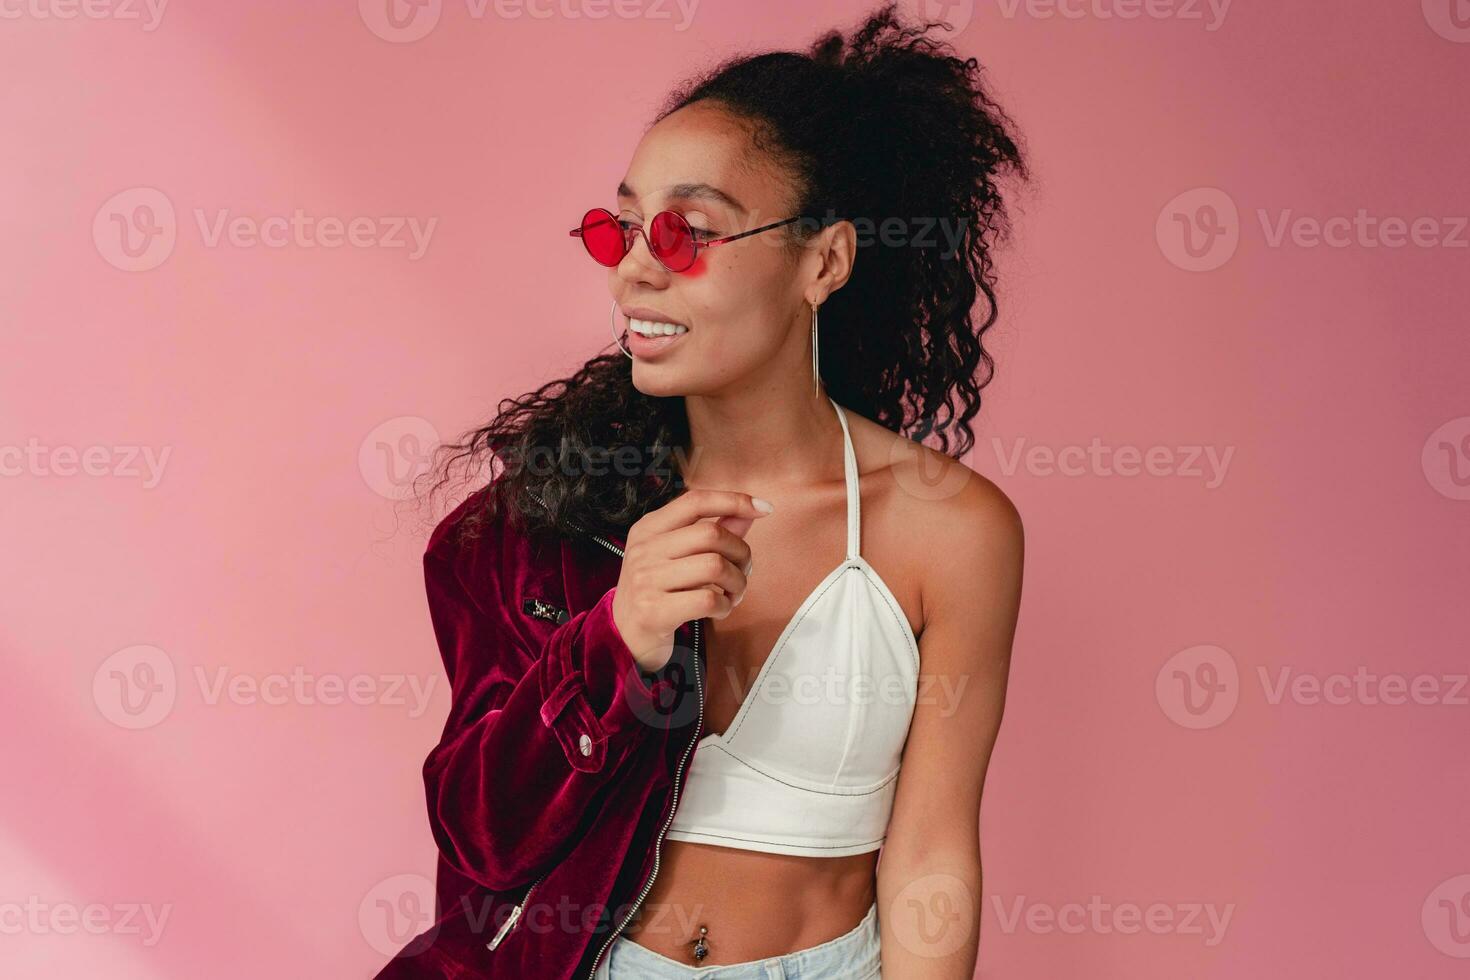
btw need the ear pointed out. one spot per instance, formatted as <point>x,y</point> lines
<point>832,254</point>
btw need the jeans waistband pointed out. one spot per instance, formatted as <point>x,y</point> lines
<point>854,955</point>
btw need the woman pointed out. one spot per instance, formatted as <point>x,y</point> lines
<point>657,763</point>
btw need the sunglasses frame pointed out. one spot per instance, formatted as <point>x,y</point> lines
<point>641,230</point>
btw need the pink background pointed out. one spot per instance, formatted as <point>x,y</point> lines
<point>289,837</point>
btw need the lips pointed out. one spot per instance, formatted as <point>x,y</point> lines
<point>651,334</point>
<point>650,322</point>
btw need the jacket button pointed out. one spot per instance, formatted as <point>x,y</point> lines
<point>585,744</point>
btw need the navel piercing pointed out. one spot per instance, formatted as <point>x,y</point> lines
<point>701,948</point>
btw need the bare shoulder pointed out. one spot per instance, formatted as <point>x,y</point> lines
<point>974,530</point>
<point>966,529</point>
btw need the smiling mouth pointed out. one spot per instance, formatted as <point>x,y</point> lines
<point>655,328</point>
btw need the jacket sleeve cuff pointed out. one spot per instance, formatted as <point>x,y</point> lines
<point>598,698</point>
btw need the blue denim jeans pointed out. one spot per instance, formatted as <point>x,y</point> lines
<point>851,956</point>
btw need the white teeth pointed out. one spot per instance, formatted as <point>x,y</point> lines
<point>652,328</point>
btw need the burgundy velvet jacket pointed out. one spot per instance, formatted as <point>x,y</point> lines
<point>561,761</point>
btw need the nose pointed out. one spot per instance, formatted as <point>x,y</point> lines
<point>639,265</point>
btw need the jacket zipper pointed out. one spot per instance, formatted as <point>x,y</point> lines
<point>515,913</point>
<point>648,885</point>
<point>514,917</point>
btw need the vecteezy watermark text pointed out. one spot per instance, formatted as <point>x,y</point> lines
<point>37,917</point>
<point>124,462</point>
<point>1200,229</point>
<point>1200,687</point>
<point>1099,917</point>
<point>837,687</point>
<point>1363,686</point>
<point>308,231</point>
<point>137,687</point>
<point>1207,463</point>
<point>148,12</point>
<point>406,21</point>
<point>136,230</point>
<point>1211,13</point>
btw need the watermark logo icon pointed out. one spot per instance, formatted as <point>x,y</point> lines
<point>924,474</point>
<point>956,13</point>
<point>1446,459</point>
<point>673,702</point>
<point>135,229</point>
<point>136,687</point>
<point>400,21</point>
<point>932,916</point>
<point>1198,687</point>
<point>397,453</point>
<point>1199,230</point>
<point>395,910</point>
<point>1450,19</point>
<point>1446,917</point>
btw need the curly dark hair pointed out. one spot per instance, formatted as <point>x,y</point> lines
<point>884,125</point>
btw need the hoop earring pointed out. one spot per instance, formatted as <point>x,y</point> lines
<point>814,351</point>
<point>615,331</point>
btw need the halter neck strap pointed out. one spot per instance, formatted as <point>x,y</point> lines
<point>854,490</point>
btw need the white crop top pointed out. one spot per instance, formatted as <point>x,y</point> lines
<point>809,764</point>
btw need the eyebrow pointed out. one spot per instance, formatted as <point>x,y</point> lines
<point>691,192</point>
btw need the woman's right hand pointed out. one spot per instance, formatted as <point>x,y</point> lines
<point>678,565</point>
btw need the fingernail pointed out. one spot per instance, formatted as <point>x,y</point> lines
<point>738,600</point>
<point>748,566</point>
<point>762,505</point>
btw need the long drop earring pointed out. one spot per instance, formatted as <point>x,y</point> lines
<point>815,361</point>
<point>615,331</point>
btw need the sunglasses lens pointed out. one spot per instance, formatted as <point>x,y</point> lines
<point>671,241</point>
<point>603,236</point>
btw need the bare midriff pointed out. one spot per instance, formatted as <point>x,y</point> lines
<point>754,905</point>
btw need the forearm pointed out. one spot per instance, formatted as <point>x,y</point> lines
<point>929,908</point>
<point>534,735</point>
